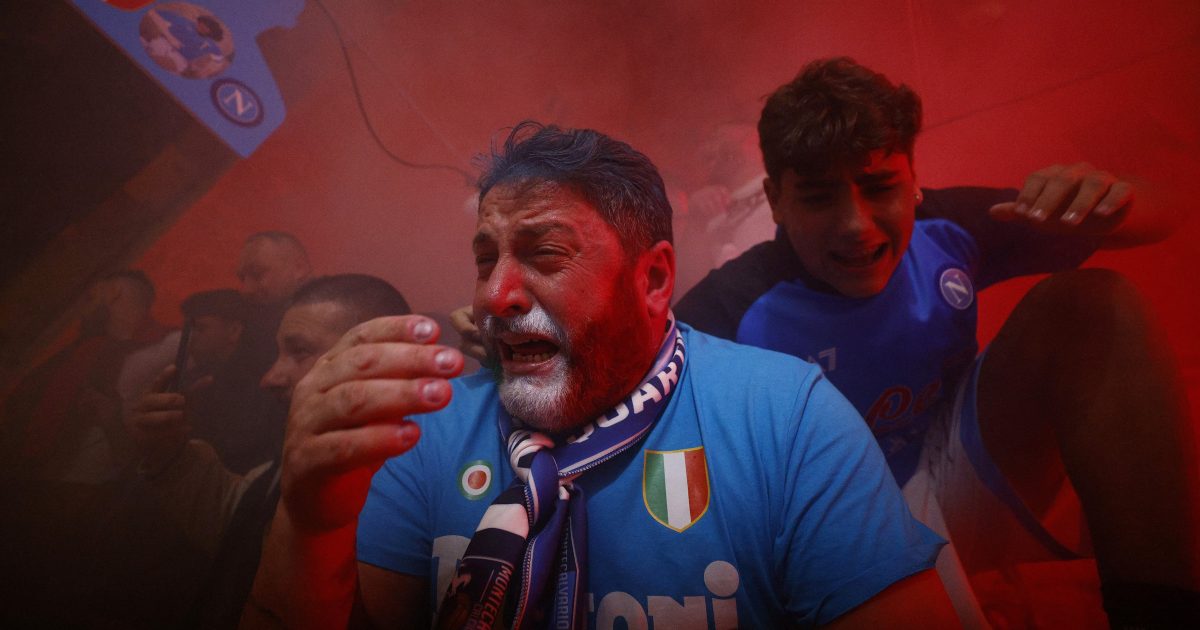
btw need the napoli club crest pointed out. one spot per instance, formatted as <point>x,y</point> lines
<point>675,486</point>
<point>956,288</point>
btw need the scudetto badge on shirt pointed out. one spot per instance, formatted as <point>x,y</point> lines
<point>675,486</point>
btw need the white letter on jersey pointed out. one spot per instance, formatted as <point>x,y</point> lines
<point>667,613</point>
<point>618,605</point>
<point>448,550</point>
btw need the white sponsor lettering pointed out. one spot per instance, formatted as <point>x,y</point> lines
<point>720,578</point>
<point>447,551</point>
<point>668,613</point>
<point>663,611</point>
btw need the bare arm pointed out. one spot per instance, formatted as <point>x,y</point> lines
<point>347,418</point>
<point>918,601</point>
<point>392,600</point>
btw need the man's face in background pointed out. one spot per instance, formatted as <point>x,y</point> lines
<point>269,271</point>
<point>213,340</point>
<point>306,333</point>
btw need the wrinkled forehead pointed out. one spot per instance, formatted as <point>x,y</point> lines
<point>527,201</point>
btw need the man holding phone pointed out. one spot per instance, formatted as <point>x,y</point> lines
<point>222,512</point>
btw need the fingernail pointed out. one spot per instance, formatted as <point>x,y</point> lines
<point>1038,213</point>
<point>1021,208</point>
<point>445,360</point>
<point>1070,217</point>
<point>423,330</point>
<point>407,433</point>
<point>433,392</point>
<point>1104,209</point>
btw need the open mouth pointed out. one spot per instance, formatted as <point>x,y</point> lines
<point>526,350</point>
<point>864,257</point>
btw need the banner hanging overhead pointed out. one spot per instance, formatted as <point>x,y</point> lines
<point>204,53</point>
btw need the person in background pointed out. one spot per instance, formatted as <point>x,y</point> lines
<point>228,409</point>
<point>875,279</point>
<point>223,512</point>
<point>62,422</point>
<point>272,266</point>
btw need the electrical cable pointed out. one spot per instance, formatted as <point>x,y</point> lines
<point>363,109</point>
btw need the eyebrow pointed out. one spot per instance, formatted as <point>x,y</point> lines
<point>527,231</point>
<point>865,178</point>
<point>875,177</point>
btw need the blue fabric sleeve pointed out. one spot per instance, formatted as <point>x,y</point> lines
<point>846,533</point>
<point>394,525</point>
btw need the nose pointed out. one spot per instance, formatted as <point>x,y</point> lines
<point>855,214</point>
<point>504,293</point>
<point>276,377</point>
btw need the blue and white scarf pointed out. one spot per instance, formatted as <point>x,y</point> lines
<point>537,527</point>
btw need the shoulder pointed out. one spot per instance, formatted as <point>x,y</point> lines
<point>719,358</point>
<point>717,303</point>
<point>732,380</point>
<point>962,204</point>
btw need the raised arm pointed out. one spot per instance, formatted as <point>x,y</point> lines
<point>347,418</point>
<point>1081,198</point>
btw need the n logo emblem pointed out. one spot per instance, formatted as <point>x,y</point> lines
<point>956,288</point>
<point>675,486</point>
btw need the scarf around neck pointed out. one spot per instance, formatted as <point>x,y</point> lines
<point>535,532</point>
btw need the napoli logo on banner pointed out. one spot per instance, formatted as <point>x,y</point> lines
<point>956,288</point>
<point>675,486</point>
<point>237,102</point>
<point>205,54</point>
<point>475,479</point>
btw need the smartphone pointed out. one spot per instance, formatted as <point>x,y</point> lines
<point>181,357</point>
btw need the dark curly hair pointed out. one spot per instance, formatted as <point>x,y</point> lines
<point>832,115</point>
<point>620,182</point>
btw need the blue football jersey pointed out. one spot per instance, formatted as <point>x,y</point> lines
<point>896,355</point>
<point>759,499</point>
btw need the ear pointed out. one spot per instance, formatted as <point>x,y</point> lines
<point>657,267</point>
<point>772,189</point>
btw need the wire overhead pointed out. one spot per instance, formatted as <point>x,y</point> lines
<point>362,109</point>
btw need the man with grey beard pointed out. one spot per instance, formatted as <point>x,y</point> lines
<point>613,465</point>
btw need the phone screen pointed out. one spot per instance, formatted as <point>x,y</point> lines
<point>181,357</point>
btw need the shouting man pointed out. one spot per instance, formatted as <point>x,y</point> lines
<point>614,465</point>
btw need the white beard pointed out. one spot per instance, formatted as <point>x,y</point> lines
<point>536,399</point>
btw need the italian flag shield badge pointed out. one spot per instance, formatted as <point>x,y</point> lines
<point>675,486</point>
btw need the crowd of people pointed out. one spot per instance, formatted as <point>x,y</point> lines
<point>810,436</point>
